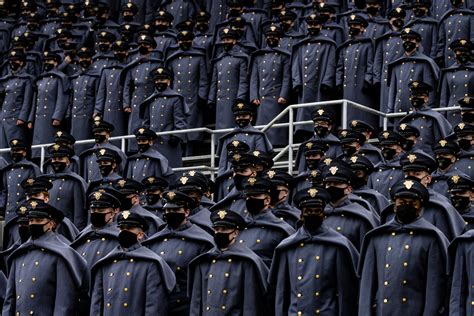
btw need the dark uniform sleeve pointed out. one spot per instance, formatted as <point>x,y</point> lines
<point>101,96</point>
<point>242,92</point>
<point>368,281</point>
<point>66,291</point>
<point>80,213</point>
<point>347,284</point>
<point>459,286</point>
<point>286,82</point>
<point>213,86</point>
<point>196,293</point>
<point>27,102</point>
<point>254,79</point>
<point>436,280</point>
<point>179,116</point>
<point>9,305</point>
<point>97,299</point>
<point>62,103</point>
<point>156,293</point>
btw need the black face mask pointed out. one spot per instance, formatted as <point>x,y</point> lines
<point>312,222</point>
<point>234,12</point>
<point>463,58</point>
<point>161,27</point>
<point>242,122</point>
<point>312,164</point>
<point>335,193</point>
<point>99,139</point>
<point>238,181</point>
<point>143,50</point>
<point>227,46</point>
<point>409,143</point>
<point>98,219</point>
<point>161,86</point>
<point>143,147</point>
<point>349,150</point>
<point>354,31</point>
<point>254,206</point>
<point>359,182</point>
<point>105,170</point>
<point>418,12</point>
<point>372,10</point>
<point>464,144</point>
<point>24,233</point>
<point>321,131</point>
<point>128,18</point>
<point>417,102</point>
<point>58,166</point>
<point>120,56</point>
<point>314,30</point>
<point>406,213</point>
<point>104,47</point>
<point>15,66</point>
<point>456,3</point>
<point>36,230</point>
<point>461,203</point>
<point>85,63</point>
<point>468,117</point>
<point>398,23</point>
<point>152,199</point>
<point>127,239</point>
<point>443,162</point>
<point>16,157</point>
<point>388,153</point>
<point>409,46</point>
<point>285,26</point>
<point>324,17</point>
<point>202,27</point>
<point>174,219</point>
<point>185,46</point>
<point>271,42</point>
<point>222,240</point>
<point>48,67</point>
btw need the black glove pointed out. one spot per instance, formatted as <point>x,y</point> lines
<point>298,89</point>
<point>367,88</point>
<point>325,89</point>
<point>440,61</point>
<point>174,141</point>
<point>201,103</point>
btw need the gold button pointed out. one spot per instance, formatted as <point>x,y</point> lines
<point>300,277</point>
<point>224,291</point>
<point>317,293</point>
<point>385,301</point>
<point>393,233</point>
<point>128,274</point>
<point>229,260</point>
<point>226,275</point>
<point>405,264</point>
<point>407,247</point>
<point>389,248</point>
<point>33,279</point>
<point>387,265</point>
<point>300,260</point>
<point>223,307</point>
<point>404,299</point>
<point>125,289</point>
<point>32,296</point>
<point>317,276</point>
<point>125,304</point>
<point>385,283</point>
<point>318,257</point>
<point>36,263</point>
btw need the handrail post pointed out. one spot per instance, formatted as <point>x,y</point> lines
<point>385,123</point>
<point>290,140</point>
<point>213,154</point>
<point>344,114</point>
<point>42,158</point>
<point>122,144</point>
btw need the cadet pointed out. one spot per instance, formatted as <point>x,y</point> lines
<point>465,134</point>
<point>21,168</point>
<point>101,236</point>
<point>189,71</point>
<point>314,153</point>
<point>367,149</point>
<point>178,243</point>
<point>342,214</point>
<point>264,231</point>
<point>389,171</point>
<point>229,79</point>
<point>194,184</point>
<point>64,139</point>
<point>46,276</point>
<point>432,125</point>
<point>51,102</point>
<point>271,74</point>
<point>283,183</point>
<point>130,191</point>
<point>460,268</point>
<point>388,48</point>
<point>154,188</point>
<point>354,73</point>
<point>104,57</point>
<point>109,103</point>
<point>461,189</point>
<point>363,168</point>
<point>225,172</point>
<point>204,37</point>
<point>454,82</point>
<point>109,161</point>
<point>164,111</point>
<point>352,142</point>
<point>138,84</point>
<point>467,109</point>
<point>454,24</point>
<point>411,134</point>
<point>164,37</point>
<point>313,70</point>
<point>68,193</point>
<point>323,125</point>
<point>244,133</point>
<point>403,263</point>
<point>243,165</point>
<point>148,161</point>
<point>418,167</point>
<point>101,131</point>
<point>144,14</point>
<point>314,270</point>
<point>426,25</point>
<point>412,66</point>
<point>84,86</point>
<point>16,97</point>
<point>446,151</point>
<point>131,277</point>
<point>216,278</point>
<point>291,34</point>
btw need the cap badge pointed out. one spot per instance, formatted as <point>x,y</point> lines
<point>122,183</point>
<point>183,180</point>
<point>309,145</point>
<point>386,135</point>
<point>256,153</point>
<point>354,123</point>
<point>30,181</point>
<point>327,161</point>
<point>408,184</point>
<point>222,214</point>
<point>461,125</point>
<point>333,170</point>
<point>97,195</point>
<point>455,179</point>
<point>34,204</point>
<point>312,192</point>
<point>171,195</point>
<point>344,133</point>
<point>141,130</point>
<point>23,210</point>
<point>192,173</point>
<point>411,158</point>
<point>320,111</point>
<point>125,214</point>
<point>443,142</point>
<point>403,126</point>
<point>102,152</point>
<point>314,173</point>
<point>354,159</point>
<point>251,181</point>
<point>151,179</point>
<point>235,143</point>
<point>271,174</point>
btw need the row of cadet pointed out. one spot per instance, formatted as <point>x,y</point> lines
<point>73,175</point>
<point>271,247</point>
<point>63,69</point>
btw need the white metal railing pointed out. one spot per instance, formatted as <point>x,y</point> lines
<point>289,110</point>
